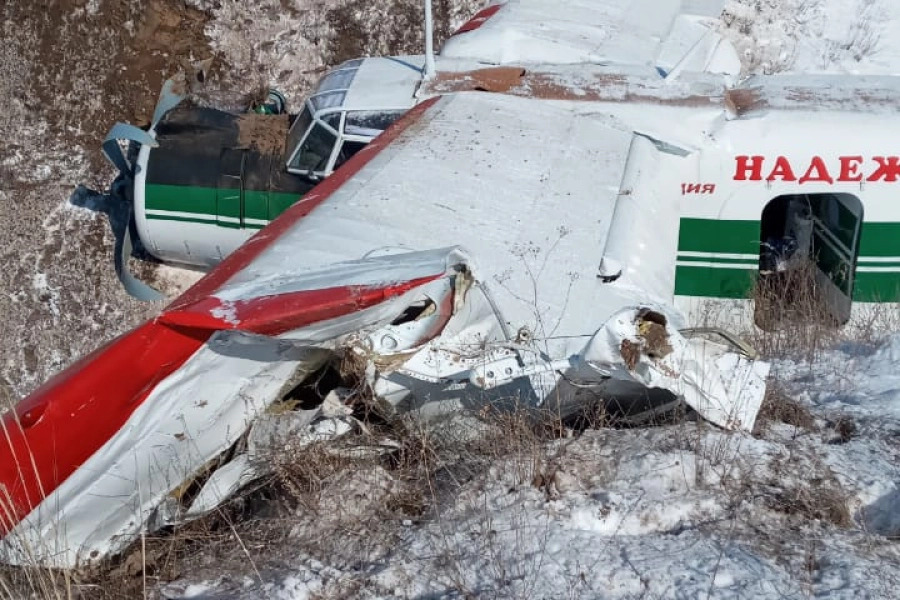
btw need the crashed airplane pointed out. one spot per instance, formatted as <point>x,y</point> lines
<point>459,281</point>
<point>538,237</point>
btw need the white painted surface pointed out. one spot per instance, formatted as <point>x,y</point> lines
<point>190,417</point>
<point>644,32</point>
<point>385,83</point>
<point>501,177</point>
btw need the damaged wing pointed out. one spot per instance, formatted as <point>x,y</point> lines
<point>456,260</point>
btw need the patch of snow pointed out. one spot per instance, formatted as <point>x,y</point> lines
<point>273,42</point>
<point>195,590</point>
<point>173,281</point>
<point>504,536</point>
<point>46,294</point>
<point>814,36</point>
<point>853,384</point>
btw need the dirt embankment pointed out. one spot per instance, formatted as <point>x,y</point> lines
<point>68,70</point>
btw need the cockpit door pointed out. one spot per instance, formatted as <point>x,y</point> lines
<point>230,189</point>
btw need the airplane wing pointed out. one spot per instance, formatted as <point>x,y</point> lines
<point>456,261</point>
<point>670,36</point>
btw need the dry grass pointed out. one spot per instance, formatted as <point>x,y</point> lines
<point>346,500</point>
<point>359,30</point>
<point>790,315</point>
<point>792,321</point>
<point>778,406</point>
<point>817,496</point>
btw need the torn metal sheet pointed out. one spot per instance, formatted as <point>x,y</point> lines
<point>438,346</point>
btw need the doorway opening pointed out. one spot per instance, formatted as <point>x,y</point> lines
<point>809,244</point>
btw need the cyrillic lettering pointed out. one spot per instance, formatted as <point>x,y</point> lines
<point>888,168</point>
<point>850,168</point>
<point>782,170</point>
<point>821,171</point>
<point>748,167</point>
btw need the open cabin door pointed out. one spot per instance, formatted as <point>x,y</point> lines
<point>230,188</point>
<point>808,253</point>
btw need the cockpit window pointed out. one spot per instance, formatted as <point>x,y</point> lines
<point>336,80</point>
<point>327,100</point>
<point>301,124</point>
<point>333,120</point>
<point>339,78</point>
<point>316,150</point>
<point>370,122</point>
<point>348,149</point>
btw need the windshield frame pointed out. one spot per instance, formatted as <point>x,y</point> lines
<point>314,121</point>
<point>297,132</point>
<point>318,119</point>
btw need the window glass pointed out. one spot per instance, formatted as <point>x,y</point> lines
<point>835,243</point>
<point>315,151</point>
<point>301,124</point>
<point>338,79</point>
<point>348,149</point>
<point>351,64</point>
<point>327,100</point>
<point>808,254</point>
<point>835,217</point>
<point>370,122</point>
<point>333,120</point>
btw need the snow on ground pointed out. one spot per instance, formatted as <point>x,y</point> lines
<point>807,36</point>
<point>674,511</point>
<point>289,44</point>
<point>86,64</point>
<point>65,76</point>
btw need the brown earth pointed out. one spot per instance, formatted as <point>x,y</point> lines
<point>265,132</point>
<point>68,70</point>
<point>109,65</point>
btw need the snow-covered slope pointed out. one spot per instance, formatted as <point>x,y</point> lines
<point>807,510</point>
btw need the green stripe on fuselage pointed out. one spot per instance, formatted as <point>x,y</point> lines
<point>879,239</point>
<point>725,280</point>
<point>180,198</point>
<point>711,235</point>
<point>203,201</point>
<point>714,282</point>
